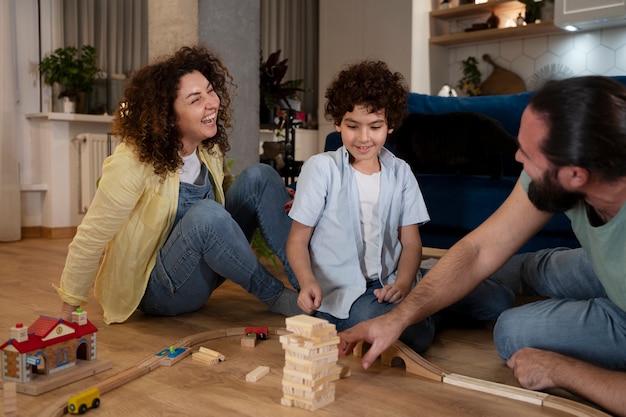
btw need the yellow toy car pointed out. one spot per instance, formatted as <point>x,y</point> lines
<point>80,403</point>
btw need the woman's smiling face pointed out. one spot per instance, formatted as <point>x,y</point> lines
<point>196,108</point>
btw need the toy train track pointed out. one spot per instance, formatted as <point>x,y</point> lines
<point>414,364</point>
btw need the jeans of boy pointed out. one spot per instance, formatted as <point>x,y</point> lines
<point>578,320</point>
<point>417,336</point>
<point>208,244</point>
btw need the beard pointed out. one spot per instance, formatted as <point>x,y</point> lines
<point>548,195</point>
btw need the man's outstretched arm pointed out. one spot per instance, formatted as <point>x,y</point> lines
<point>458,272</point>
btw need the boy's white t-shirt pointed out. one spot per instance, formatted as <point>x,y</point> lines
<point>369,192</point>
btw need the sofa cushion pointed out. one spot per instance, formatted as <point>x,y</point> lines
<point>458,204</point>
<point>455,143</point>
<point>507,109</point>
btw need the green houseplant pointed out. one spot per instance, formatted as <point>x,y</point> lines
<point>272,88</point>
<point>470,83</point>
<point>74,70</point>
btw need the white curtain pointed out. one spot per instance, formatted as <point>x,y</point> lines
<point>10,221</point>
<point>292,27</point>
<point>118,29</point>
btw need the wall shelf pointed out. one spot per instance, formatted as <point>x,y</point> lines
<point>443,21</point>
<point>468,10</point>
<point>536,29</point>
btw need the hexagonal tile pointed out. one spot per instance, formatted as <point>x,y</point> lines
<point>510,50</point>
<point>620,59</point>
<point>534,47</point>
<point>600,60</point>
<point>561,44</point>
<point>586,41</point>
<point>465,51</point>
<point>492,49</point>
<point>576,60</point>
<point>546,60</point>
<point>613,38</point>
<point>523,66</point>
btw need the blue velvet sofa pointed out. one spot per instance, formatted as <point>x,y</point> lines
<point>459,203</point>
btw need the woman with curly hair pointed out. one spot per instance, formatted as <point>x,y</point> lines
<point>354,243</point>
<point>171,222</point>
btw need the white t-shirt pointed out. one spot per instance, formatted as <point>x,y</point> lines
<point>369,190</point>
<point>191,168</point>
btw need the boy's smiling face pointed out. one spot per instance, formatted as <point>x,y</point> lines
<point>363,134</point>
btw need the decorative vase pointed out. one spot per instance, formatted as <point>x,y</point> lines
<point>493,21</point>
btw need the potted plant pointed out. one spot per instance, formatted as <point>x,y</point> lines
<point>74,70</point>
<point>273,90</point>
<point>470,83</point>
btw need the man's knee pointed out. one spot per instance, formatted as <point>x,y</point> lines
<point>506,333</point>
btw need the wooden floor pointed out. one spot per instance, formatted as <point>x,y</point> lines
<point>28,269</point>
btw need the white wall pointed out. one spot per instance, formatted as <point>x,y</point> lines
<point>28,80</point>
<point>352,30</point>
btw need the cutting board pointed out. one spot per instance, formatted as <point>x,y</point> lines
<point>501,81</point>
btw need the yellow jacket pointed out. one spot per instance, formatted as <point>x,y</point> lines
<point>129,219</point>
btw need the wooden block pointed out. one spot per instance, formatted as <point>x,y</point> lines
<point>204,358</point>
<point>307,326</point>
<point>212,352</point>
<point>248,341</point>
<point>257,374</point>
<point>10,399</point>
<point>344,371</point>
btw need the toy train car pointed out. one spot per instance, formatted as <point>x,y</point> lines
<point>80,403</point>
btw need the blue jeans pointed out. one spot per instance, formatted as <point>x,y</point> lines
<point>257,199</point>
<point>577,320</point>
<point>417,336</point>
<point>208,245</point>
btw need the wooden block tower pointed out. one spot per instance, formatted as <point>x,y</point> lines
<point>310,362</point>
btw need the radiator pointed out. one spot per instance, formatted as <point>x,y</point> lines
<point>93,148</point>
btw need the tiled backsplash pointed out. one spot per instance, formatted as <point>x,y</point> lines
<point>600,52</point>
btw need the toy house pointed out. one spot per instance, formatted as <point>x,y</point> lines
<point>47,346</point>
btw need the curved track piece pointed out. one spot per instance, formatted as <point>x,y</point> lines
<point>413,362</point>
<point>417,365</point>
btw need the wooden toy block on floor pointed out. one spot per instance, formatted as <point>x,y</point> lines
<point>249,340</point>
<point>10,399</point>
<point>257,374</point>
<point>208,356</point>
<point>310,362</point>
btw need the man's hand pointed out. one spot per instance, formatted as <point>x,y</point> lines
<point>380,332</point>
<point>532,367</point>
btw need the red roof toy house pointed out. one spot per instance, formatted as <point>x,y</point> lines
<point>49,345</point>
